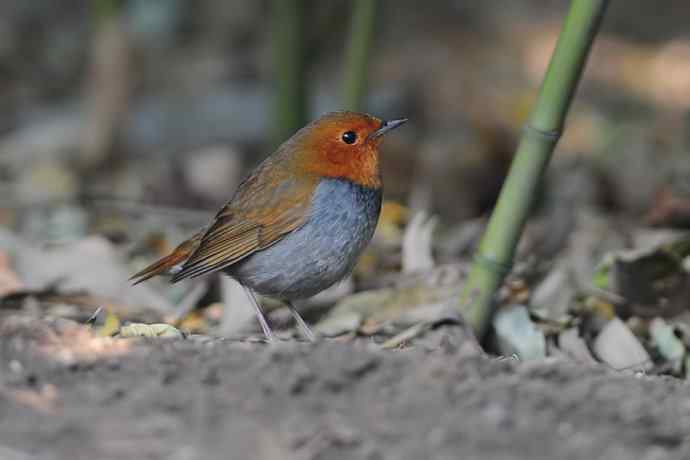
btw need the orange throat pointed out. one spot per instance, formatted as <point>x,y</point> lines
<point>363,170</point>
<point>360,167</point>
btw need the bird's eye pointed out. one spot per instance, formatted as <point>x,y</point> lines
<point>350,137</point>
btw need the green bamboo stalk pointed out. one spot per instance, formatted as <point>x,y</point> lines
<point>103,10</point>
<point>543,130</point>
<point>290,109</point>
<point>358,51</point>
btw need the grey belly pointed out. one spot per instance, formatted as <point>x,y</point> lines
<point>320,253</point>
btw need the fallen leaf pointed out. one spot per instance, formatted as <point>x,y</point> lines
<point>150,330</point>
<point>417,243</point>
<point>92,265</point>
<point>552,297</point>
<point>110,326</point>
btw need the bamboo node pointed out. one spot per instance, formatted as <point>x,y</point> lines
<point>551,136</point>
<point>493,265</point>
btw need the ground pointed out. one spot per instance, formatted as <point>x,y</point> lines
<point>208,398</point>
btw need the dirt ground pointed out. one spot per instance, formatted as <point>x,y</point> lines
<point>67,395</point>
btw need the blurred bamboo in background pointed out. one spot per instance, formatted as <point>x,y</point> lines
<point>358,51</point>
<point>290,109</point>
<point>108,85</point>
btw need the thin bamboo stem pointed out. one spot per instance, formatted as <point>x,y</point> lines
<point>543,130</point>
<point>290,110</point>
<point>105,9</point>
<point>358,52</point>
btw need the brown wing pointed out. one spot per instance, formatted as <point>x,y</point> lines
<point>268,205</point>
<point>169,263</point>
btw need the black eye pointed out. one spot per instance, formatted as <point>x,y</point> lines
<point>350,137</point>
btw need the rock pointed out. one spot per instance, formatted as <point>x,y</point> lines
<point>669,346</point>
<point>517,334</point>
<point>574,346</point>
<point>618,347</point>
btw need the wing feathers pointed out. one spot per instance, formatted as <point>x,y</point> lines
<point>247,225</point>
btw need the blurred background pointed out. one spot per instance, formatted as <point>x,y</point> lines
<point>126,124</point>
<point>110,106</point>
<point>135,120</point>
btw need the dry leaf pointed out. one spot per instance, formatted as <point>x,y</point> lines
<point>150,330</point>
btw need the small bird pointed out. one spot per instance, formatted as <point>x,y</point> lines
<point>297,224</point>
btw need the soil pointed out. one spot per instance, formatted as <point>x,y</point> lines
<point>67,395</point>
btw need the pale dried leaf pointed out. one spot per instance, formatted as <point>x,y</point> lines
<point>337,325</point>
<point>552,296</point>
<point>92,265</point>
<point>150,330</point>
<point>417,248</point>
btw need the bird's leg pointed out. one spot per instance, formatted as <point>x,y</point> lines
<point>260,314</point>
<point>306,331</point>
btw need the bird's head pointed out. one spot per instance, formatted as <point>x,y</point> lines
<point>342,145</point>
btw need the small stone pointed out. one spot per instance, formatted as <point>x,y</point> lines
<point>618,347</point>
<point>517,334</point>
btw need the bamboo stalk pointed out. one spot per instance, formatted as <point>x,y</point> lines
<point>105,9</point>
<point>290,110</point>
<point>358,52</point>
<point>543,130</point>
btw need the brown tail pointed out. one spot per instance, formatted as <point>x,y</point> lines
<point>165,265</point>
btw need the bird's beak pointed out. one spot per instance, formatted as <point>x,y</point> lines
<point>387,126</point>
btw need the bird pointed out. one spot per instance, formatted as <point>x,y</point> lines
<point>298,222</point>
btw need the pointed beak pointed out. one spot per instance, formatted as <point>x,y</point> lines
<point>387,126</point>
